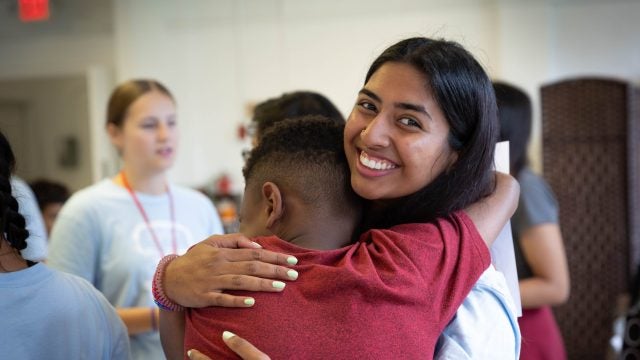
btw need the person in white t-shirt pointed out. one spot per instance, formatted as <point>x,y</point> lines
<point>113,233</point>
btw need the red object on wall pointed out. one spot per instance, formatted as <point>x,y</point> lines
<point>33,10</point>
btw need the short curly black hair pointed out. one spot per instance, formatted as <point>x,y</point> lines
<point>304,156</point>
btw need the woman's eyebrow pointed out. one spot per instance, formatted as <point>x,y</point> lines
<point>370,94</point>
<point>413,107</point>
<point>401,105</point>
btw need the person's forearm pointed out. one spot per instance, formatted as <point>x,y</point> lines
<point>139,319</point>
<point>543,250</point>
<point>492,213</point>
<point>172,334</point>
<point>537,292</point>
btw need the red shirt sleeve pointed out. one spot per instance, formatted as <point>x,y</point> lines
<point>449,254</point>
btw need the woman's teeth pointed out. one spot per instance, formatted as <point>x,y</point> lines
<point>375,164</point>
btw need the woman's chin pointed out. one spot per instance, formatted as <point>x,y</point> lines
<point>365,189</point>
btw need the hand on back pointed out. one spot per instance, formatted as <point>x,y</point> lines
<point>224,262</point>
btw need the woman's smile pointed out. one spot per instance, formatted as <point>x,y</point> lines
<point>396,135</point>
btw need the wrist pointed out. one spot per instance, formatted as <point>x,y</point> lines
<point>159,295</point>
<point>154,317</point>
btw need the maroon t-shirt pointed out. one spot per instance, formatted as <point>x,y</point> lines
<point>387,296</point>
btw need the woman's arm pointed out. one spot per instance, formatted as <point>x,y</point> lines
<point>543,249</point>
<point>223,262</point>
<point>491,214</point>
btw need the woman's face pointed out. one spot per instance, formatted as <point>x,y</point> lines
<point>148,136</point>
<point>396,136</point>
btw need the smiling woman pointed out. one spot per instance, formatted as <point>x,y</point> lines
<point>115,232</point>
<point>395,128</point>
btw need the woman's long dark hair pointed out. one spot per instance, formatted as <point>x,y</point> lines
<point>12,223</point>
<point>464,92</point>
<point>514,112</point>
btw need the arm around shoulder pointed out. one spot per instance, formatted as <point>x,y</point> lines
<point>491,214</point>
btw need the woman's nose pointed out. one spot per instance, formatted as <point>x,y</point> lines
<point>163,131</point>
<point>376,133</point>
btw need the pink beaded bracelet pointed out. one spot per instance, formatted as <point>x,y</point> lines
<point>159,297</point>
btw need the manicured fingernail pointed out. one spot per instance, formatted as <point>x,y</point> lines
<point>226,335</point>
<point>255,244</point>
<point>292,260</point>
<point>189,353</point>
<point>278,284</point>
<point>249,301</point>
<point>292,274</point>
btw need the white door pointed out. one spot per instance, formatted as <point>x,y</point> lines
<point>14,125</point>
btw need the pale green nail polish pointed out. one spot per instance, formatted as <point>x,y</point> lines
<point>292,274</point>
<point>189,353</point>
<point>249,301</point>
<point>291,260</point>
<point>226,335</point>
<point>278,284</point>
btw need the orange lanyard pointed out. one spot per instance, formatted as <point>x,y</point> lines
<point>146,218</point>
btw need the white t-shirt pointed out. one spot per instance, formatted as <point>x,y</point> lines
<point>101,236</point>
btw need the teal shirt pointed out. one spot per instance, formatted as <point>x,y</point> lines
<point>47,314</point>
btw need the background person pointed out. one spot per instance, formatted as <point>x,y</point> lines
<point>51,195</point>
<point>291,105</point>
<point>47,314</point>
<point>540,255</point>
<point>114,233</point>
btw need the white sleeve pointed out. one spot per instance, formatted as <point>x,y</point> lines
<point>75,240</point>
<point>485,326</point>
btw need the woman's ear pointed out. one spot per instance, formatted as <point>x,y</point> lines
<point>453,158</point>
<point>275,204</point>
<point>115,135</point>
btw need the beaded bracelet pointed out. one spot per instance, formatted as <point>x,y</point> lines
<point>159,297</point>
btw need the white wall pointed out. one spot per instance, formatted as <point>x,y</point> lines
<point>74,49</point>
<point>56,108</point>
<point>218,55</point>
<point>543,42</point>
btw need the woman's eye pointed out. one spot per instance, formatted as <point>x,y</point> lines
<point>149,123</point>
<point>367,106</point>
<point>410,122</point>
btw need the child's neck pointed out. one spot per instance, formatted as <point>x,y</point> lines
<point>319,233</point>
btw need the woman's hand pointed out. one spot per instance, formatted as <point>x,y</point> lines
<point>240,346</point>
<point>225,262</point>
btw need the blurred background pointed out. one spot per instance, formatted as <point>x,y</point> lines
<point>220,57</point>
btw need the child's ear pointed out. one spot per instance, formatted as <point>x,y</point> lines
<point>275,205</point>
